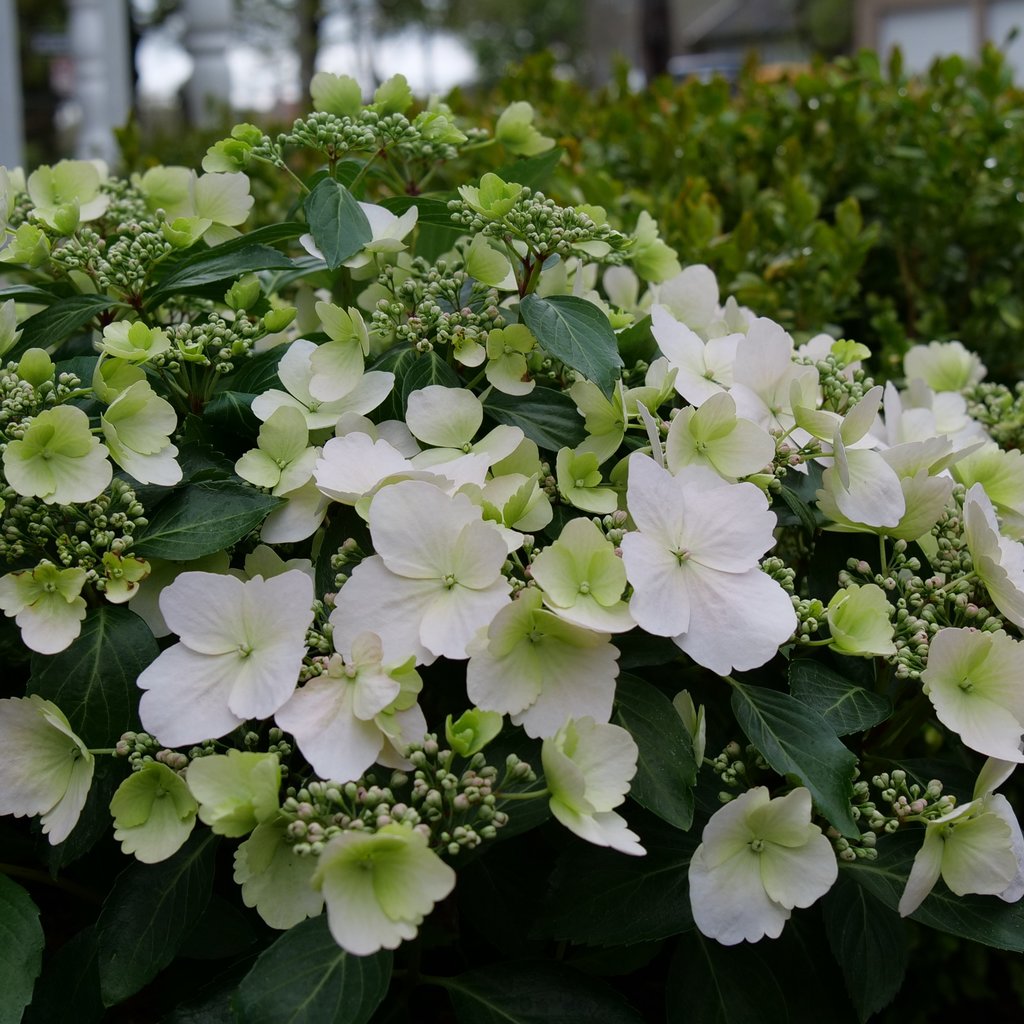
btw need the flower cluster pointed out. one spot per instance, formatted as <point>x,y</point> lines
<point>512,488</point>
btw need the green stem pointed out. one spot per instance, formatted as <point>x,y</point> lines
<point>881,555</point>
<point>533,794</point>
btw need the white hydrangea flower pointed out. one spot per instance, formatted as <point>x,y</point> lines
<point>758,859</point>
<point>702,368</point>
<point>975,848</point>
<point>379,887</point>
<point>973,680</point>
<point>241,647</point>
<point>434,581</point>
<point>343,719</point>
<point>998,561</point>
<point>587,767</point>
<point>693,563</point>
<point>45,769</point>
<point>541,669</point>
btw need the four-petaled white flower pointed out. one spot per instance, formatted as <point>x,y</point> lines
<point>434,581</point>
<point>693,563</point>
<point>758,859</point>
<point>242,645</point>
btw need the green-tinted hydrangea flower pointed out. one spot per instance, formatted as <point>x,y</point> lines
<point>47,605</point>
<point>58,459</point>
<point>154,813</point>
<point>236,791</point>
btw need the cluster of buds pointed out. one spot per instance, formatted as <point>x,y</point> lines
<point>899,801</point>
<point>1000,410</point>
<point>456,809</point>
<point>842,388</point>
<point>26,388</point>
<point>140,749</point>
<point>735,766</point>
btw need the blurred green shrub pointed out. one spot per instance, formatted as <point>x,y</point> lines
<point>842,193</point>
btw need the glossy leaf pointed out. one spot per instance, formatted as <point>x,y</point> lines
<point>666,770</point>
<point>846,707</point>
<point>305,977</point>
<point>797,742</point>
<point>50,326</point>
<point>576,332</point>
<point>203,518</point>
<point>93,680</point>
<point>535,993</point>
<point>21,949</point>
<point>545,416</point>
<point>599,897</point>
<point>869,942</point>
<point>336,221</point>
<point>147,915</point>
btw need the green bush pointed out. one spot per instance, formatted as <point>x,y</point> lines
<point>845,193</point>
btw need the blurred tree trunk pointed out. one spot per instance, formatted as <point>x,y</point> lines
<point>656,33</point>
<point>308,15</point>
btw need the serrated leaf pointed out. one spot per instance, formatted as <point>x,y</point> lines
<point>796,741</point>
<point>306,978</point>
<point>599,897</point>
<point>336,221</point>
<point>21,949</point>
<point>202,518</point>
<point>984,919</point>
<point>535,993</point>
<point>576,332</point>
<point>666,770</point>
<point>218,265</point>
<point>147,915</point>
<point>713,984</point>
<point>546,416</point>
<point>869,942</point>
<point>93,680</point>
<point>846,707</point>
<point>50,326</point>
<point>232,410</point>
<point>68,991</point>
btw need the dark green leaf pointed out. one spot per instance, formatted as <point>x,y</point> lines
<point>336,221</point>
<point>666,771</point>
<point>796,512</point>
<point>21,949</point>
<point>93,680</point>
<point>50,326</point>
<point>713,984</point>
<point>796,741</point>
<point>255,375</point>
<point>306,978</point>
<point>576,332</point>
<point>27,293</point>
<point>94,822</point>
<point>203,518</point>
<point>636,342</point>
<point>413,370</point>
<point>985,919</point>
<point>602,897</point>
<point>846,707</point>
<point>546,416</point>
<point>432,212</point>
<point>535,993</point>
<point>218,265</point>
<point>232,410</point>
<point>869,942</point>
<point>222,931</point>
<point>532,171</point>
<point>147,915</point>
<point>68,991</point>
